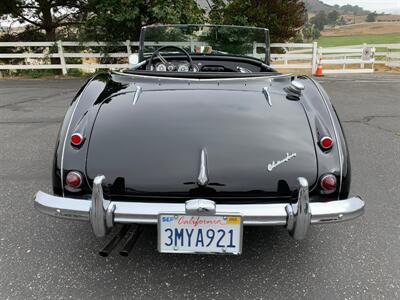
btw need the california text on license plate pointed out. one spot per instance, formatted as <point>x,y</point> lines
<point>200,234</point>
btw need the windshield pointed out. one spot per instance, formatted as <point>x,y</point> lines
<point>207,40</point>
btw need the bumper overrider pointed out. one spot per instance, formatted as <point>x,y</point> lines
<point>103,214</point>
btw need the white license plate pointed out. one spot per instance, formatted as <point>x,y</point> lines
<point>200,234</point>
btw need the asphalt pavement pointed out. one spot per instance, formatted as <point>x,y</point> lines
<point>42,257</point>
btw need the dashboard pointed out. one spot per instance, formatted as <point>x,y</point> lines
<point>208,64</point>
<point>178,66</point>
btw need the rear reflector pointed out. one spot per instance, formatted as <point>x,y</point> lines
<point>74,179</point>
<point>328,183</point>
<point>76,139</point>
<point>326,143</point>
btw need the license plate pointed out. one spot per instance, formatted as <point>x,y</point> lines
<point>200,234</point>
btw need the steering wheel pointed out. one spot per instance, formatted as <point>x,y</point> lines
<point>163,60</point>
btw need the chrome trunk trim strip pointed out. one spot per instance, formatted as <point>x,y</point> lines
<point>202,179</point>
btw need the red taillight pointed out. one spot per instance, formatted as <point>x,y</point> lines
<point>76,139</point>
<point>326,143</point>
<point>74,179</point>
<point>328,183</point>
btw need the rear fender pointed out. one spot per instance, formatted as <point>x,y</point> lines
<point>80,117</point>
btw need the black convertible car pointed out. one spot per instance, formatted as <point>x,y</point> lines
<point>201,137</point>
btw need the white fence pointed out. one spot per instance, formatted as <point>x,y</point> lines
<point>358,58</point>
<point>32,60</point>
<point>64,55</point>
<point>393,56</point>
<point>295,56</point>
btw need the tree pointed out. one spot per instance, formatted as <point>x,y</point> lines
<point>284,18</point>
<point>44,15</point>
<point>333,16</point>
<point>371,17</point>
<point>319,20</point>
<point>118,20</point>
<point>310,33</point>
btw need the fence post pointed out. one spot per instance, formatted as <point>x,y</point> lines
<point>128,47</point>
<point>314,58</point>
<point>362,65</point>
<point>62,58</point>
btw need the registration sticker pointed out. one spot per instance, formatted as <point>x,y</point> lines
<point>233,220</point>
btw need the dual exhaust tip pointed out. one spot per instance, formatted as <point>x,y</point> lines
<point>132,234</point>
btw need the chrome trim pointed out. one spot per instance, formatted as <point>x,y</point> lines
<point>99,208</point>
<point>138,92</point>
<point>339,144</point>
<point>110,215</point>
<point>202,179</point>
<point>147,212</point>
<point>298,86</point>
<point>64,144</point>
<point>135,66</point>
<point>296,217</point>
<point>299,214</point>
<point>243,70</point>
<point>267,95</point>
<point>66,208</point>
<point>200,206</point>
<point>274,164</point>
<point>295,88</point>
<point>204,79</point>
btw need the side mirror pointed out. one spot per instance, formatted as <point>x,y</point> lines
<point>133,59</point>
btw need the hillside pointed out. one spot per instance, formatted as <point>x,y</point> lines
<point>312,6</point>
<point>316,6</point>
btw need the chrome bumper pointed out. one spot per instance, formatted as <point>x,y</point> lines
<point>103,214</point>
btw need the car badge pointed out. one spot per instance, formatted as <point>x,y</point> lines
<point>274,164</point>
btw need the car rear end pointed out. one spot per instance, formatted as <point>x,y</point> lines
<point>201,160</point>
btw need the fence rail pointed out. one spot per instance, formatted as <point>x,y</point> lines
<point>65,55</point>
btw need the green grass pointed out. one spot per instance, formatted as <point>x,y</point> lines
<point>36,73</point>
<point>334,41</point>
<point>75,73</point>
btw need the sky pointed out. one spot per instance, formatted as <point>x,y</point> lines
<point>378,5</point>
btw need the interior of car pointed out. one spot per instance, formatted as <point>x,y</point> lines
<point>202,51</point>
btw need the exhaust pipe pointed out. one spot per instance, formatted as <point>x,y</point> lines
<point>131,241</point>
<point>114,241</point>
